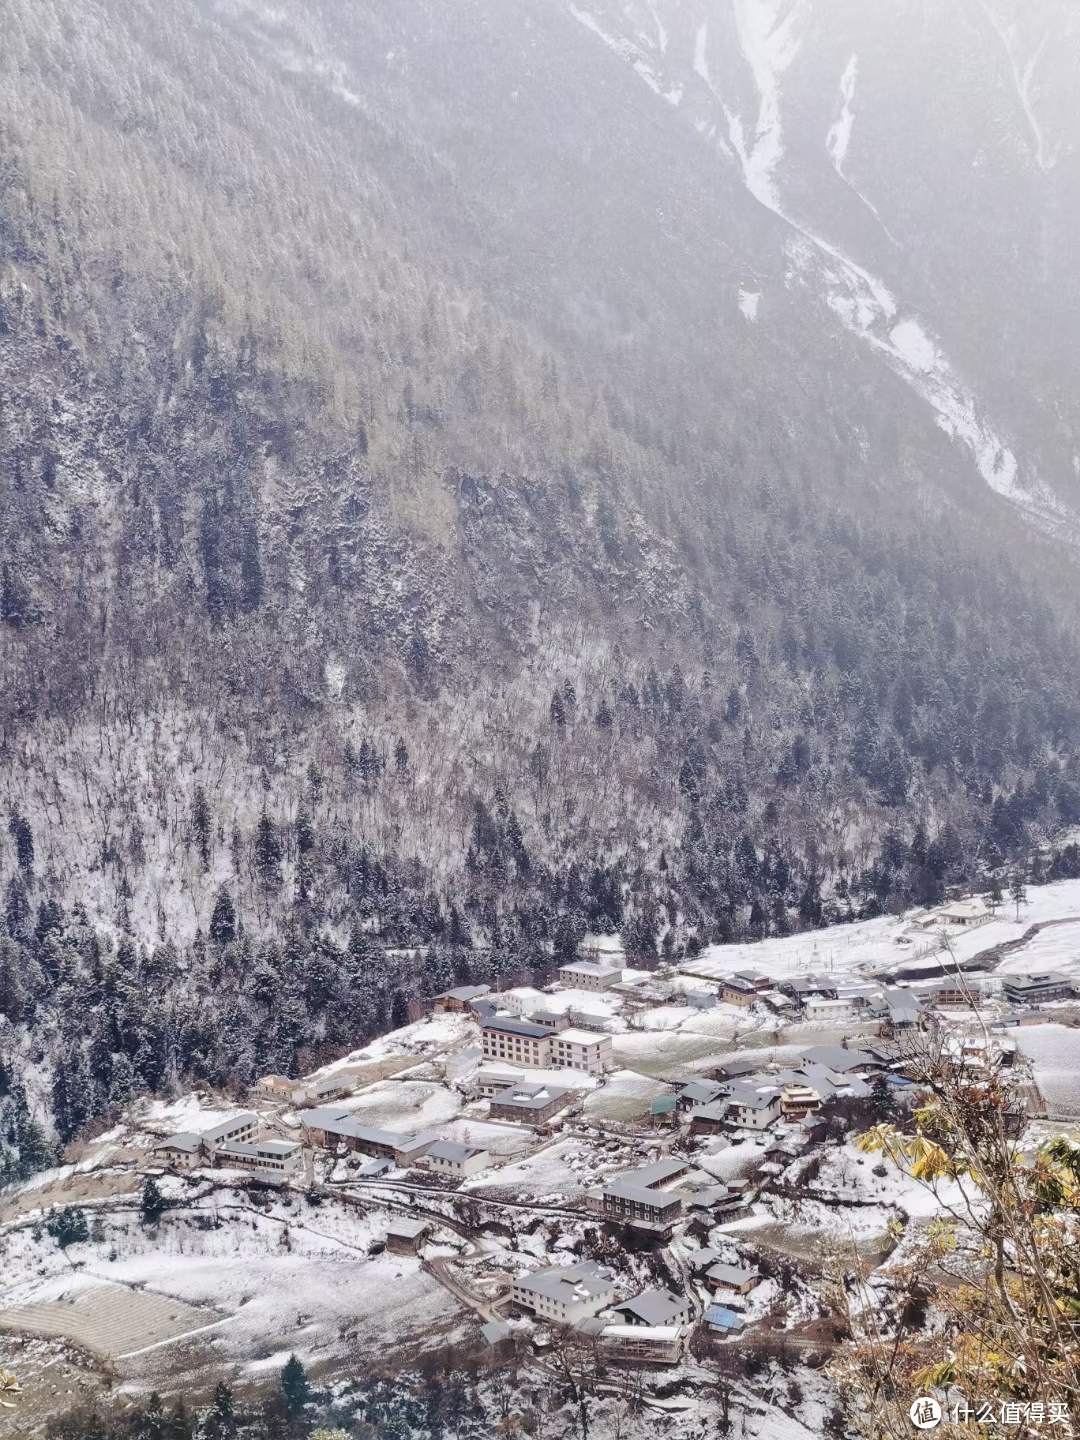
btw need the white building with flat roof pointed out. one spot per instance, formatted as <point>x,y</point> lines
<point>582,1050</point>
<point>281,1157</point>
<point>586,975</point>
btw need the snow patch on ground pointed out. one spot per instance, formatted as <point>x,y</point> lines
<point>749,300</point>
<point>838,140</point>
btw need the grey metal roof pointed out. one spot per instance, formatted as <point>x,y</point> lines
<point>516,1027</point>
<point>229,1127</point>
<point>408,1229</point>
<point>715,1110</point>
<point>654,1307</point>
<point>529,1097</point>
<point>495,1332</point>
<point>465,992</point>
<point>183,1140</point>
<point>566,1283</point>
<point>753,1100</point>
<point>627,1190</point>
<point>734,1275</point>
<point>834,1057</point>
<point>657,1172</point>
<point>702,1091</point>
<point>451,1150</point>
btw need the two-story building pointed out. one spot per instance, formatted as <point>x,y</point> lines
<point>275,1157</point>
<point>565,1294</point>
<point>448,1157</point>
<point>529,1103</point>
<point>586,975</point>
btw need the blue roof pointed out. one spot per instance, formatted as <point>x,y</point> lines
<point>898,1080</point>
<point>722,1317</point>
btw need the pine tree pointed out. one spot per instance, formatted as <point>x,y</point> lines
<point>219,1421</point>
<point>1018,890</point>
<point>401,758</point>
<point>223,920</point>
<point>201,825</point>
<point>557,711</point>
<point>67,1226</point>
<point>153,1201</point>
<point>268,852</point>
<point>294,1385</point>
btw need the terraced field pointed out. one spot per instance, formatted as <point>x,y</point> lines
<point>109,1320</point>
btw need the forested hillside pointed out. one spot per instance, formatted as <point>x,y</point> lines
<point>415,553</point>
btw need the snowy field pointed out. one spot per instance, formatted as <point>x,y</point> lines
<point>1054,1052</point>
<point>886,942</point>
<point>626,1096</point>
<point>1056,948</point>
<point>295,1278</point>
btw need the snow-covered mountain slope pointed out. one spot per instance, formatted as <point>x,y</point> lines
<point>922,159</point>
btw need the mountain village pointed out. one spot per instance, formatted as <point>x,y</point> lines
<point>503,1150</point>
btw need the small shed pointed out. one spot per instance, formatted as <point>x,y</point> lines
<point>497,1332</point>
<point>405,1237</point>
<point>723,1320</point>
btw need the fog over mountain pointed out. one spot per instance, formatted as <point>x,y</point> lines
<point>473,473</point>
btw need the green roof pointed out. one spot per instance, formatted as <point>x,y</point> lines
<point>662,1105</point>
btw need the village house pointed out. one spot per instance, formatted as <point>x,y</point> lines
<point>802,987</point>
<point>447,1157</point>
<point>518,1001</point>
<point>1034,989</point>
<point>751,1109</point>
<point>489,1080</point>
<point>582,1050</point>
<point>183,1151</point>
<point>710,1118</point>
<point>733,1279</point>
<point>700,1092</point>
<point>700,999</point>
<point>462,1063</point>
<point>552,1020</point>
<point>277,1087</point>
<point>585,975</point>
<point>237,1130</point>
<point>516,1041</point>
<point>405,1237</point>
<point>459,1000</point>
<point>330,1126</point>
<point>656,1307</point>
<point>957,915</point>
<point>738,992</point>
<point>799,1100</point>
<point>529,1103</point>
<point>636,1199</point>
<point>565,1294</point>
<point>281,1157</point>
<point>830,1012</point>
<point>723,1320</point>
<point>331,1087</point>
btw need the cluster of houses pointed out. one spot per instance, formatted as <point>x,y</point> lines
<point>232,1144</point>
<point>744,1098</point>
<point>652,1327</point>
